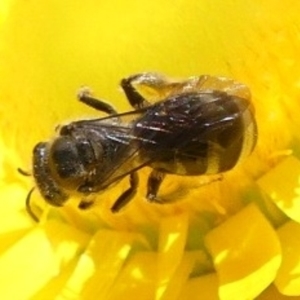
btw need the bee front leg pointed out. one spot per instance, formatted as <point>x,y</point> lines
<point>154,181</point>
<point>85,96</point>
<point>128,194</point>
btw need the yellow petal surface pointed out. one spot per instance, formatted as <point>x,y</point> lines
<point>14,222</point>
<point>282,184</point>
<point>172,239</point>
<point>246,254</point>
<point>203,287</point>
<point>178,279</point>
<point>38,257</point>
<point>288,278</point>
<point>31,270</point>
<point>272,293</point>
<point>138,277</point>
<point>100,264</point>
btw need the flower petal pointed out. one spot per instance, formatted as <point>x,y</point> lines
<point>246,254</point>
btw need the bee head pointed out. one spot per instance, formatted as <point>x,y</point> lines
<point>63,165</point>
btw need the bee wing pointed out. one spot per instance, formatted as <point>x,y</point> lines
<point>194,120</point>
<point>155,87</point>
<point>218,83</point>
<point>205,83</point>
<point>180,126</point>
<point>185,125</point>
<point>125,145</point>
<point>187,147</point>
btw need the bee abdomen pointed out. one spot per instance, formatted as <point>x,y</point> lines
<point>243,136</point>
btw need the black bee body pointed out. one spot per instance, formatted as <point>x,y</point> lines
<point>204,125</point>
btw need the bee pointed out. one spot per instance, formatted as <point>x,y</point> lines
<point>203,125</point>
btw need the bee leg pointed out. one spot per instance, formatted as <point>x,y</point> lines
<point>128,194</point>
<point>85,204</point>
<point>135,99</point>
<point>154,181</point>
<point>84,95</point>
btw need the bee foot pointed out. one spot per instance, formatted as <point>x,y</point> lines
<point>85,204</point>
<point>154,199</point>
<point>84,91</point>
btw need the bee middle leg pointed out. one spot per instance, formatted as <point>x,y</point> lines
<point>128,194</point>
<point>148,79</point>
<point>154,181</point>
<point>136,100</point>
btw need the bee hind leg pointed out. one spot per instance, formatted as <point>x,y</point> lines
<point>154,181</point>
<point>128,194</point>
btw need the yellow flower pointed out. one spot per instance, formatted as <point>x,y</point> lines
<point>235,239</point>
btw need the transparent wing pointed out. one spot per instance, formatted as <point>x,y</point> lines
<point>116,132</point>
<point>155,87</point>
<point>182,124</point>
<point>193,119</point>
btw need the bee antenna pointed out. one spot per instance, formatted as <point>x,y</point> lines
<point>22,172</point>
<point>29,208</point>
